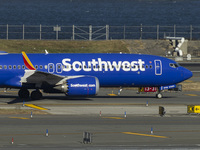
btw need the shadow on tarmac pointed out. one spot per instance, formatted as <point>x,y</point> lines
<point>65,98</point>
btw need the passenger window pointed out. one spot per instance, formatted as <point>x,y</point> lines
<point>0,66</point>
<point>41,67</point>
<point>36,66</point>
<point>19,67</point>
<point>5,67</point>
<point>134,66</point>
<point>147,66</point>
<point>10,67</point>
<point>14,67</point>
<point>23,67</point>
<point>150,66</point>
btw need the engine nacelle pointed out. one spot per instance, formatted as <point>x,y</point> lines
<point>80,86</point>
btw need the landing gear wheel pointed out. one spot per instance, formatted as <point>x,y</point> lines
<point>159,95</point>
<point>35,95</point>
<point>23,93</point>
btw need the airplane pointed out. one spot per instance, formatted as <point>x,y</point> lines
<point>84,74</point>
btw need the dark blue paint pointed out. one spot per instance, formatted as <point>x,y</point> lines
<point>169,76</point>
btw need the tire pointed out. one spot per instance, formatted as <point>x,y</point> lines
<point>159,95</point>
<point>36,95</point>
<point>23,93</point>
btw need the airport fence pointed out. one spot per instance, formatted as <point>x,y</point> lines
<point>43,32</point>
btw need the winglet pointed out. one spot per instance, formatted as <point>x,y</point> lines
<point>27,61</point>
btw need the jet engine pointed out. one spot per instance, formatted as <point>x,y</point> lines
<point>80,86</point>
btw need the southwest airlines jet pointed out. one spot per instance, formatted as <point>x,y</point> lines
<point>84,74</point>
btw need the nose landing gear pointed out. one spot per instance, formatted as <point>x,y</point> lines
<point>159,95</point>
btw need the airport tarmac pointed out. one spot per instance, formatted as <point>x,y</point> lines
<point>107,102</point>
<point>127,121</point>
<point>108,132</point>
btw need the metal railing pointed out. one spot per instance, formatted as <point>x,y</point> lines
<point>42,32</point>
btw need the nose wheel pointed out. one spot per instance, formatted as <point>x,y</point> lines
<point>159,95</point>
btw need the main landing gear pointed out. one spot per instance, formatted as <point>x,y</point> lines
<point>23,93</point>
<point>35,95</point>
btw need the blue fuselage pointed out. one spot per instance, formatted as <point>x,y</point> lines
<point>112,70</point>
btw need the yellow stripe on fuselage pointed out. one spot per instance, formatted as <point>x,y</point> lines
<point>27,59</point>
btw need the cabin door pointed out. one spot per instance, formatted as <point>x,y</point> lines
<point>158,67</point>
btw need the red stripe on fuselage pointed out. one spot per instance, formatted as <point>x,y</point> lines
<point>27,64</point>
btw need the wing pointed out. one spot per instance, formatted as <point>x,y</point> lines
<point>34,76</point>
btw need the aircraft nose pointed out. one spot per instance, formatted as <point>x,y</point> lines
<point>187,74</point>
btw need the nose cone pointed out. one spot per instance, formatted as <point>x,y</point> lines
<point>187,74</point>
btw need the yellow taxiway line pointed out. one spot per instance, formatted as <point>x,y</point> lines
<point>36,107</point>
<point>188,81</point>
<point>140,134</point>
<point>113,117</point>
<point>18,118</point>
<point>191,94</point>
<point>112,94</point>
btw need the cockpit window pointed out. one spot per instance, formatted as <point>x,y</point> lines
<point>174,65</point>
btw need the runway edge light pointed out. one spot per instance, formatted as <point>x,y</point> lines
<point>125,114</point>
<point>47,133</point>
<point>151,130</point>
